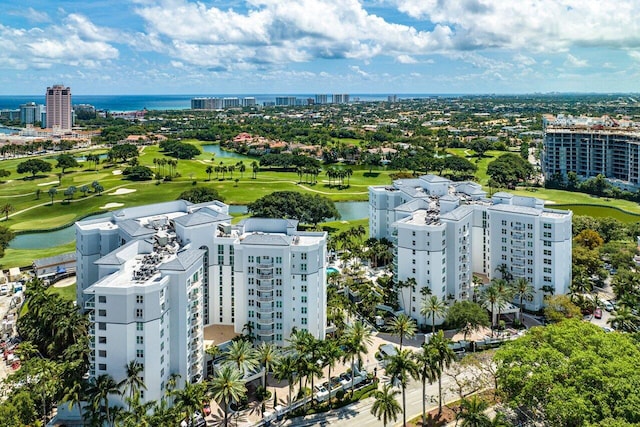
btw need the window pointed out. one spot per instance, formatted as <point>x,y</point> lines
<point>139,299</point>
<point>547,269</point>
<point>546,234</point>
<point>303,310</point>
<point>279,270</point>
<point>303,277</point>
<point>278,260</point>
<point>139,339</point>
<point>278,292</point>
<point>279,304</point>
<point>220,249</point>
<point>102,340</point>
<point>139,312</point>
<point>139,353</point>
<point>303,288</point>
<point>102,326</point>
<point>304,299</point>
<point>162,346</point>
<point>546,226</point>
<point>303,320</point>
<point>504,222</point>
<point>250,258</point>
<point>102,299</point>
<point>102,366</point>
<point>547,243</point>
<point>303,267</point>
<point>250,270</point>
<point>102,353</point>
<point>102,313</point>
<point>303,256</point>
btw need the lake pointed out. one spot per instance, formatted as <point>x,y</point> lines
<point>222,154</point>
<point>46,239</point>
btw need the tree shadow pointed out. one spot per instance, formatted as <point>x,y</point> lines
<point>371,174</point>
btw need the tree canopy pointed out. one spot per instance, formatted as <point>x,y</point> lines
<point>34,166</point>
<point>138,173</point>
<point>66,161</point>
<point>467,316</point>
<point>572,374</point>
<point>180,150</point>
<point>306,208</point>
<point>200,195</point>
<point>508,170</point>
<point>122,152</point>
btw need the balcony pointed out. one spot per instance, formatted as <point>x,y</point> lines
<point>517,236</point>
<point>194,309</point>
<point>262,276</point>
<point>265,321</point>
<point>517,227</point>
<point>265,299</point>
<point>265,263</point>
<point>90,304</point>
<point>517,243</point>
<point>92,317</point>
<point>265,310</point>
<point>265,332</point>
<point>265,288</point>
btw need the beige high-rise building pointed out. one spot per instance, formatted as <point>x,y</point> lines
<point>59,113</point>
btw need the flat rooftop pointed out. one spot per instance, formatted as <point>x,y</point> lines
<point>218,334</point>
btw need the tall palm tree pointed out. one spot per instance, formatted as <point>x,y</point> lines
<point>523,289</point>
<point>506,292</point>
<point>209,171</point>
<point>331,353</point>
<point>286,370</point>
<point>138,413</point>
<point>241,355</point>
<point>357,339</point>
<point>385,406</point>
<point>472,413</point>
<point>403,326</point>
<point>98,392</point>
<point>433,307</point>
<point>52,193</point>
<point>190,399</point>
<point>491,297</point>
<point>133,381</point>
<point>6,209</point>
<point>268,357</point>
<point>444,357</point>
<point>74,393</point>
<point>428,371</point>
<point>401,367</point>
<point>226,387</point>
<point>255,167</point>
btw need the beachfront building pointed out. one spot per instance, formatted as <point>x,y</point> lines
<point>444,231</point>
<point>59,114</point>
<point>157,279</point>
<point>590,146</point>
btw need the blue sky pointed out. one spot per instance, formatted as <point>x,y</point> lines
<point>320,46</point>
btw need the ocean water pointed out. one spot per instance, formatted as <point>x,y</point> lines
<point>169,102</point>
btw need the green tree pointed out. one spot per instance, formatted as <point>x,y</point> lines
<point>98,392</point>
<point>34,166</point>
<point>209,171</point>
<point>427,363</point>
<point>433,307</point>
<point>401,367</point>
<point>623,319</point>
<point>523,289</point>
<point>509,170</point>
<point>133,380</point>
<point>66,161</point>
<point>590,239</point>
<point>242,356</point>
<point>306,208</point>
<point>472,413</point>
<point>386,407</point>
<point>268,356</point>
<point>285,370</point>
<point>200,195</point>
<point>403,326</point>
<point>6,209</point>
<point>190,399</point>
<point>467,316</point>
<point>357,339</point>
<point>560,307</point>
<point>439,345</point>
<point>227,387</point>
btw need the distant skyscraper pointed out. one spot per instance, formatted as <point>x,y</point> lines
<point>58,107</point>
<point>340,98</point>
<point>321,99</point>
<point>30,113</point>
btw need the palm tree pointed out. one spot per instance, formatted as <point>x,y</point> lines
<point>505,291</point>
<point>133,380</point>
<point>209,171</point>
<point>189,399</point>
<point>472,413</point>
<point>138,413</point>
<point>226,387</point>
<point>444,357</point>
<point>357,339</point>
<point>331,353</point>
<point>241,355</point>
<point>6,209</point>
<point>241,167</point>
<point>98,392</point>
<point>523,289</point>
<point>428,372</point>
<point>52,193</point>
<point>386,407</point>
<point>491,296</point>
<point>433,307</point>
<point>268,357</point>
<point>403,326</point>
<point>213,351</point>
<point>255,168</point>
<point>504,271</point>
<point>74,393</point>
<point>286,370</point>
<point>624,320</point>
<point>401,367</point>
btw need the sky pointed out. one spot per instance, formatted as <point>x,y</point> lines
<point>320,46</point>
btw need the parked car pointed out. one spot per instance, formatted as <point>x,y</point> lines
<point>597,313</point>
<point>206,408</point>
<point>4,290</point>
<point>608,305</point>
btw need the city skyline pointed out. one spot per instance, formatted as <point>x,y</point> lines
<point>319,46</point>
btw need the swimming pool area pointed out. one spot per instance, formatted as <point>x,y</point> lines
<point>331,270</point>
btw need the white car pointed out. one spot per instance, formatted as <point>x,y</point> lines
<point>4,290</point>
<point>608,306</point>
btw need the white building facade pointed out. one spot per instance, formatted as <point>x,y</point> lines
<point>152,277</point>
<point>444,231</point>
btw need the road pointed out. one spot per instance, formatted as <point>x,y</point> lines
<point>359,414</point>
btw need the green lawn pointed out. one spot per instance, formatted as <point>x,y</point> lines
<point>67,292</point>
<point>601,211</point>
<point>25,257</point>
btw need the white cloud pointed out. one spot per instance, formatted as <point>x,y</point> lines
<point>406,59</point>
<point>541,25</point>
<point>76,42</point>
<point>573,61</point>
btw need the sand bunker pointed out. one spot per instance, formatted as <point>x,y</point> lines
<point>42,184</point>
<point>121,191</point>
<point>111,205</point>
<point>117,172</point>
